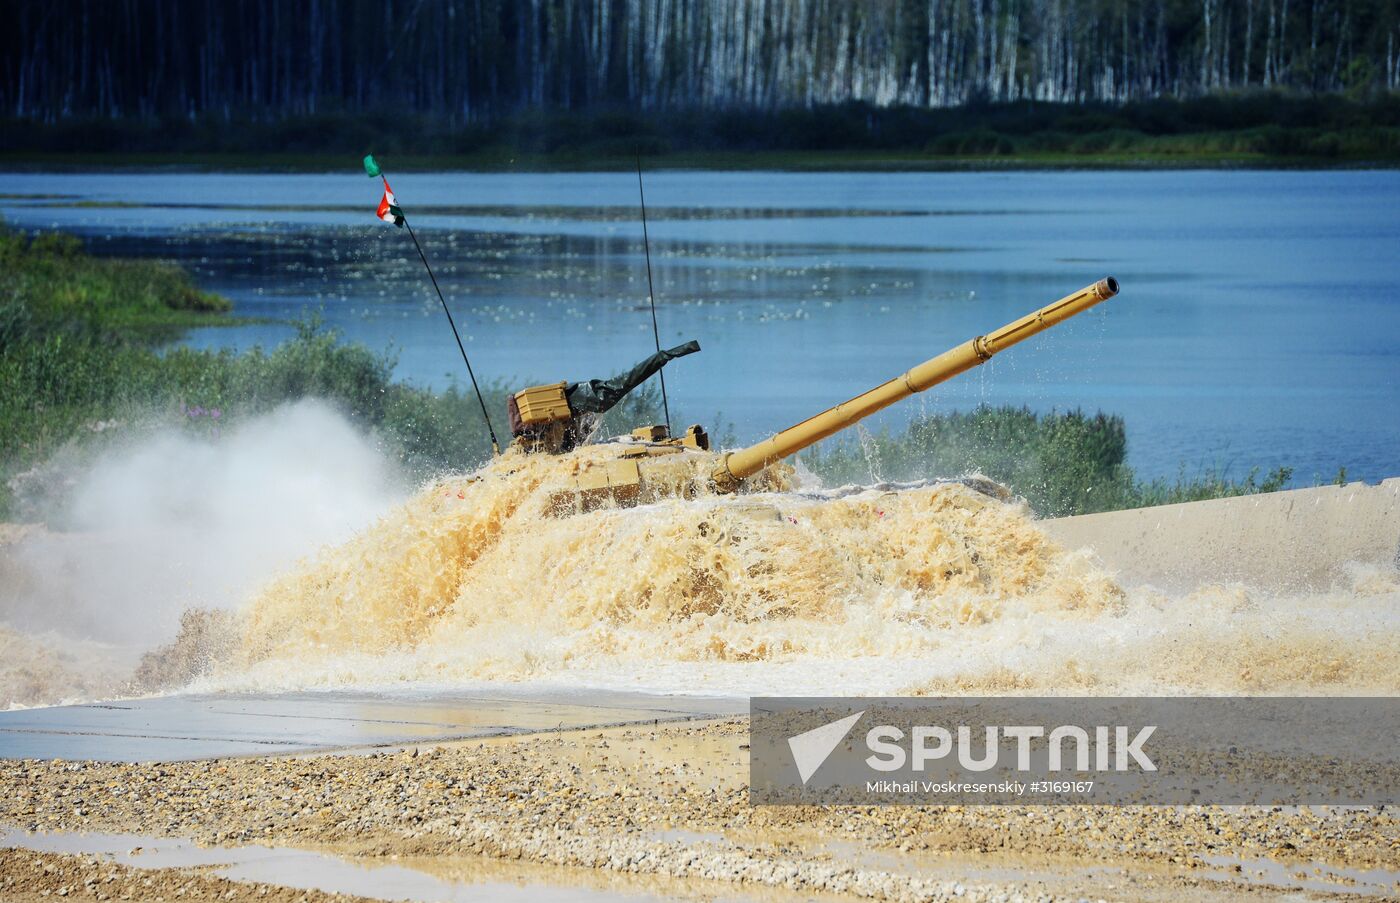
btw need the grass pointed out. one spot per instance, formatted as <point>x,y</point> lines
<point>85,360</point>
<point>53,287</point>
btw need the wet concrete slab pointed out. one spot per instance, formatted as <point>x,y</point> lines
<point>171,728</point>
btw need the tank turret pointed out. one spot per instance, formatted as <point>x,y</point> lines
<point>650,464</point>
<point>556,417</point>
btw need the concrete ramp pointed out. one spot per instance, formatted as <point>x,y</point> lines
<point>1283,541</point>
<point>172,728</point>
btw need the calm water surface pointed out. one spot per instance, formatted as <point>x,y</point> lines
<point>1259,322</point>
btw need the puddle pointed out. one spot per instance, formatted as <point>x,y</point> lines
<point>1304,875</point>
<point>439,878</point>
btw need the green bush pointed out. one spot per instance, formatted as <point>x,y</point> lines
<point>1061,463</point>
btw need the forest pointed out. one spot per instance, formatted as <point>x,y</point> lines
<point>475,61</point>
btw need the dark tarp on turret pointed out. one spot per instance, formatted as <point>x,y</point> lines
<point>598,395</point>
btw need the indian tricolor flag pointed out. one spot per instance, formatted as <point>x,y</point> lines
<point>389,207</point>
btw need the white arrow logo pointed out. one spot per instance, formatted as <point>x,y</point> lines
<point>811,749</point>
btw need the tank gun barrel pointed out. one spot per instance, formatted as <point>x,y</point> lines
<point>738,465</point>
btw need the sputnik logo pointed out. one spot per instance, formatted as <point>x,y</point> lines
<point>811,749</point>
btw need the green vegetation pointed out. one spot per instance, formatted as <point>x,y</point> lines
<point>54,288</point>
<point>82,364</point>
<point>1256,129</point>
<point>1061,463</point>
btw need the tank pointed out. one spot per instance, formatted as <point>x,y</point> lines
<point>650,464</point>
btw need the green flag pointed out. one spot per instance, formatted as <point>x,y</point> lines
<point>371,167</point>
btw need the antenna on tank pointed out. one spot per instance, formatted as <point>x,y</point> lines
<point>390,211</point>
<point>651,291</point>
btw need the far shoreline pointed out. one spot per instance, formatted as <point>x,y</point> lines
<point>757,161</point>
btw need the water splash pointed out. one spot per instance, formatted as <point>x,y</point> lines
<point>475,578</point>
<point>919,588</point>
<point>933,588</point>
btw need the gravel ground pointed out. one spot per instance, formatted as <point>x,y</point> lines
<point>672,801</point>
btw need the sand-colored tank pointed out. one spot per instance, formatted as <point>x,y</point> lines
<point>650,464</point>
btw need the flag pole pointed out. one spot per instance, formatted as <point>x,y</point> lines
<point>373,169</point>
<point>651,292</point>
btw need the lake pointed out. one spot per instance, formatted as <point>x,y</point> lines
<point>1258,324</point>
